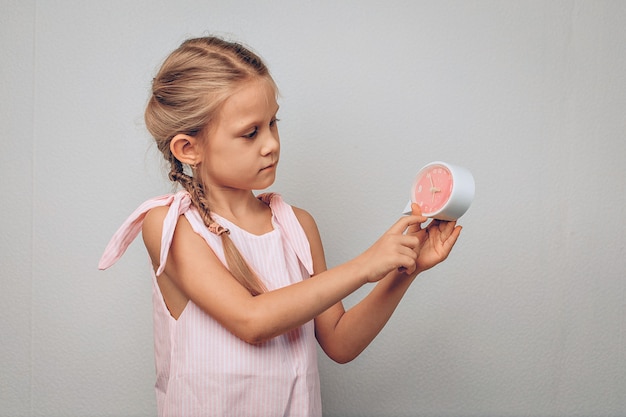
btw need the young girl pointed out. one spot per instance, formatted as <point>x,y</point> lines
<point>240,286</point>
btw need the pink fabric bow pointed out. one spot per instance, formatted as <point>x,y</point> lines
<point>179,203</point>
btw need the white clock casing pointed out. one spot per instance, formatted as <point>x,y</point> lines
<point>461,196</point>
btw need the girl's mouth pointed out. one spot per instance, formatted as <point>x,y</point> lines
<point>269,167</point>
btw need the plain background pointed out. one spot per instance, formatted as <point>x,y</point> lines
<point>526,318</point>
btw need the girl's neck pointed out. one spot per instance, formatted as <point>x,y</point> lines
<point>229,202</point>
<point>241,208</point>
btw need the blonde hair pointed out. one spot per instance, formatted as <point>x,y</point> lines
<point>187,93</point>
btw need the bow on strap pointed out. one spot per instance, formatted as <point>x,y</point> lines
<point>179,203</point>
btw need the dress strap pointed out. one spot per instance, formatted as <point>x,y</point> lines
<point>179,204</point>
<point>289,224</point>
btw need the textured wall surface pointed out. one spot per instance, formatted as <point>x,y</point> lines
<point>527,316</point>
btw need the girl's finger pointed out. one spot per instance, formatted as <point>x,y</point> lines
<point>403,223</point>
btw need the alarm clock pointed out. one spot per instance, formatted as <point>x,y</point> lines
<point>442,190</point>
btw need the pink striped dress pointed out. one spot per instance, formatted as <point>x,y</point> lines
<point>203,369</point>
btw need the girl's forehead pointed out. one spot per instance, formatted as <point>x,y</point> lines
<point>255,97</point>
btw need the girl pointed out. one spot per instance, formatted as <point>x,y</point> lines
<point>240,286</point>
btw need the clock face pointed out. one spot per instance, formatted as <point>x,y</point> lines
<point>432,188</point>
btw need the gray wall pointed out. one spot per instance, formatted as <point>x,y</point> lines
<point>526,317</point>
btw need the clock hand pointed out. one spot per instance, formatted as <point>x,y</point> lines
<point>433,189</point>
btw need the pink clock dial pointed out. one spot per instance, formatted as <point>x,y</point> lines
<point>432,188</point>
<point>443,191</point>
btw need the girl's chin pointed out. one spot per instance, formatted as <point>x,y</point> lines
<point>266,182</point>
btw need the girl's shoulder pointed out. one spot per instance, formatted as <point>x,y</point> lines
<point>307,222</point>
<point>305,218</point>
<point>156,214</point>
<point>153,222</point>
<point>152,231</point>
<point>277,203</point>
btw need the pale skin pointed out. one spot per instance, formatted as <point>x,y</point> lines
<point>240,154</point>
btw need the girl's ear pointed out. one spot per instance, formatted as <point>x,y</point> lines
<point>186,149</point>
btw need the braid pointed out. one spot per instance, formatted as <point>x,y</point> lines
<point>236,263</point>
<point>193,187</point>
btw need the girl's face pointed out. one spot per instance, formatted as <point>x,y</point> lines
<point>242,147</point>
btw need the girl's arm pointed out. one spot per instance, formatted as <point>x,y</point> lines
<point>344,335</point>
<point>193,272</point>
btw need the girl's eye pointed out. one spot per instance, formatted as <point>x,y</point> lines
<point>252,134</point>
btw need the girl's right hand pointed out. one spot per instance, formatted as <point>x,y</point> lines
<point>393,250</point>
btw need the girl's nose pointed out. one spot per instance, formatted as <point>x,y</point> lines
<point>271,143</point>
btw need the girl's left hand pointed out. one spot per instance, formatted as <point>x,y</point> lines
<point>436,240</point>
